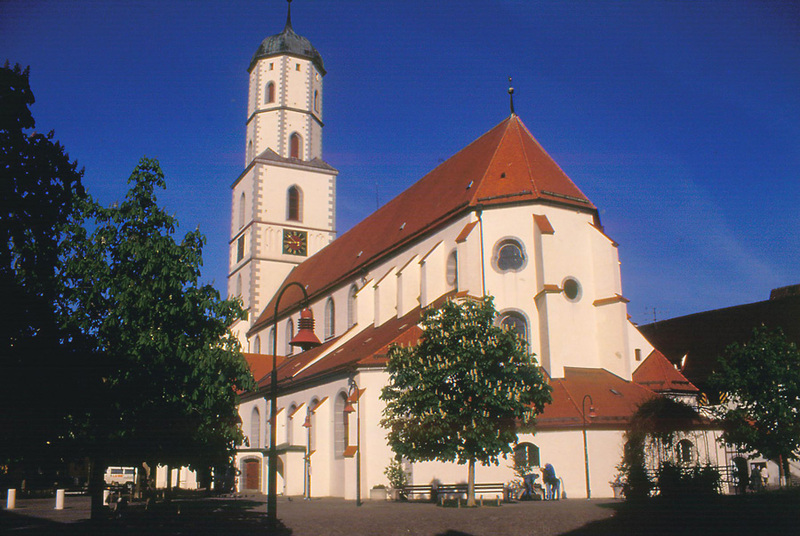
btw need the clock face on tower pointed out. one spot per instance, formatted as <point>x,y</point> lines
<point>295,242</point>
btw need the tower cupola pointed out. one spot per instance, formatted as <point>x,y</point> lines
<point>288,43</point>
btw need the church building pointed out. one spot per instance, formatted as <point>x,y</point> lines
<point>498,218</point>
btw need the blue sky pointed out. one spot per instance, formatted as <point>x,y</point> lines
<point>679,120</point>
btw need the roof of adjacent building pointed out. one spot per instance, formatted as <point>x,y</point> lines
<point>694,342</point>
<point>504,166</point>
<point>288,43</point>
<point>658,374</point>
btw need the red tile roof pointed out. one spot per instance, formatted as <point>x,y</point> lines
<point>505,165</point>
<point>658,374</point>
<point>614,399</point>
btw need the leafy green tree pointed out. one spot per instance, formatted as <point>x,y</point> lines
<point>462,392</point>
<point>169,368</point>
<point>40,189</point>
<point>762,379</point>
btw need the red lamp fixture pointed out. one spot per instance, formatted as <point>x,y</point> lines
<point>305,338</point>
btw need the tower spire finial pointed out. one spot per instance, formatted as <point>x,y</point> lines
<point>289,15</point>
<point>511,95</point>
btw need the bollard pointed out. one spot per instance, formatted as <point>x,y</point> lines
<point>11,501</point>
<point>59,499</point>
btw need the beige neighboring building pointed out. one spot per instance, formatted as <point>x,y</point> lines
<point>498,218</point>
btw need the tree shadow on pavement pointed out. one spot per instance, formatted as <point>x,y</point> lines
<point>196,517</point>
<point>774,513</point>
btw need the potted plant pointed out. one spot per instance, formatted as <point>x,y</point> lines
<point>618,484</point>
<point>378,493</point>
<point>398,478</point>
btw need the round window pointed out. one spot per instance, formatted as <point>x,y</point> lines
<point>572,289</point>
<point>510,256</point>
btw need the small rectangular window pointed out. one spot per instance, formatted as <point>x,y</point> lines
<point>638,353</point>
<point>240,249</point>
<point>296,66</point>
<point>271,66</point>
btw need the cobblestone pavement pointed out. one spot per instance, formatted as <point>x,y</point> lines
<point>774,513</point>
<point>310,518</point>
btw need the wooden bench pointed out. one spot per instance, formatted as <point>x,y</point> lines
<point>417,489</point>
<point>444,491</point>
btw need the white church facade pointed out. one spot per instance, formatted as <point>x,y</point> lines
<point>498,218</point>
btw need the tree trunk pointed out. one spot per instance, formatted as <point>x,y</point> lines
<point>97,470</point>
<point>471,484</point>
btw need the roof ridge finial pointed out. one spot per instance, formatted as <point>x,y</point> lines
<point>511,95</point>
<point>289,16</point>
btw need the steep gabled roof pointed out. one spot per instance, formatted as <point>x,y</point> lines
<point>658,374</point>
<point>504,166</point>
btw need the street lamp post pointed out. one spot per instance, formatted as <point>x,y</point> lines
<point>353,396</point>
<point>585,445</point>
<point>305,339</point>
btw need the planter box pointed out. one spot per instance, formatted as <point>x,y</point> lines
<point>378,494</point>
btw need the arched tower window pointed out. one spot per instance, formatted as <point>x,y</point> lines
<point>352,312</point>
<point>239,286</point>
<point>330,319</point>
<point>316,100</point>
<point>514,321</point>
<point>289,335</point>
<point>294,204</point>
<point>269,94</point>
<point>257,345</point>
<point>295,145</point>
<point>255,429</point>
<point>241,209</point>
<point>452,270</point>
<point>249,151</point>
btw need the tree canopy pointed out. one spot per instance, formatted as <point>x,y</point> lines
<point>40,191</point>
<point>762,379</point>
<point>170,366</point>
<point>462,392</point>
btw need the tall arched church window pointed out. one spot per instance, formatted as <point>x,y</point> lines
<point>241,209</point>
<point>290,424</point>
<point>685,451</point>
<point>330,319</point>
<point>289,335</point>
<point>270,340</point>
<point>269,94</point>
<point>352,313</point>
<point>257,345</point>
<point>514,321</point>
<point>452,270</point>
<point>316,100</point>
<point>509,256</point>
<point>312,419</point>
<point>526,455</point>
<point>255,429</point>
<point>295,145</point>
<point>294,204</point>
<point>341,425</point>
<point>239,286</point>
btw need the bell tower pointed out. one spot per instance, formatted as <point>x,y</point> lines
<point>283,204</point>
